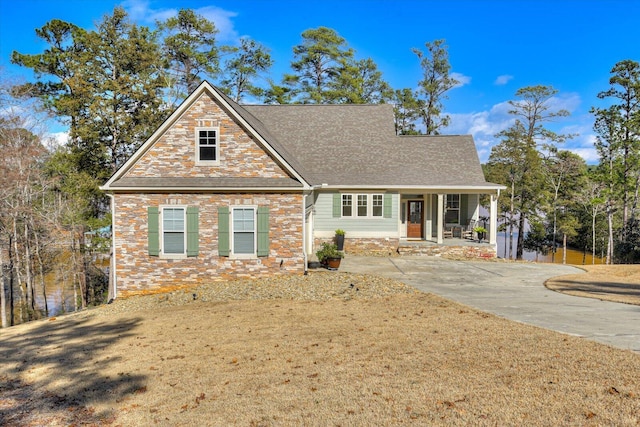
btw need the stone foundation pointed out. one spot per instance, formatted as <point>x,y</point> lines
<point>364,246</point>
<point>393,247</point>
<point>451,252</point>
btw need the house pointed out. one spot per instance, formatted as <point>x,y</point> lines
<point>225,191</point>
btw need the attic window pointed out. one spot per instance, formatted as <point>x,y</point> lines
<point>207,145</point>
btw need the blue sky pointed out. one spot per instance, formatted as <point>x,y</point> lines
<point>495,46</point>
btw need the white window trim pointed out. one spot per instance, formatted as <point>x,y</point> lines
<point>354,206</point>
<point>197,145</point>
<point>184,232</point>
<point>232,253</point>
<point>453,209</point>
<point>381,206</point>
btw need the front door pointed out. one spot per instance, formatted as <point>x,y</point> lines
<point>415,220</point>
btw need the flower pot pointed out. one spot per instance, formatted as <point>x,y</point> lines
<point>340,241</point>
<point>333,263</point>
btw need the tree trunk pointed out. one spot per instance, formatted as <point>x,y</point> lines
<point>17,269</point>
<point>593,236</point>
<point>75,295</point>
<point>28,270</point>
<point>79,276</point>
<point>555,230</point>
<point>11,276</point>
<point>506,234</point>
<point>41,274</point>
<point>520,244</point>
<point>3,295</point>
<point>564,248</point>
<point>82,274</point>
<point>610,239</point>
<point>634,203</point>
<point>511,219</point>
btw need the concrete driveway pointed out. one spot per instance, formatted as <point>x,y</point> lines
<point>514,291</point>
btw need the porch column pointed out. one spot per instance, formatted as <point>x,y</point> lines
<point>493,220</point>
<point>439,234</point>
<point>428,217</point>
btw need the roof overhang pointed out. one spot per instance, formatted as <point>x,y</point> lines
<point>206,184</point>
<point>204,189</point>
<point>468,189</point>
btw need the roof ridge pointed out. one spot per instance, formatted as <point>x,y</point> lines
<point>314,105</point>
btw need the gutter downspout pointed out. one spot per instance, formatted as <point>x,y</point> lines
<point>306,194</point>
<point>113,246</point>
<point>304,232</point>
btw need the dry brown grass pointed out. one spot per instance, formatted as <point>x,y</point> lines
<point>394,360</point>
<point>617,283</point>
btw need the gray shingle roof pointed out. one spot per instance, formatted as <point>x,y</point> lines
<point>356,145</point>
<point>338,145</point>
<point>259,127</point>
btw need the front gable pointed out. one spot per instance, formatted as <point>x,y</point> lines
<point>175,153</point>
<point>237,155</point>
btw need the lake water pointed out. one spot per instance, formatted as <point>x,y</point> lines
<point>573,256</point>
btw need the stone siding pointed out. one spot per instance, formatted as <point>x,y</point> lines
<point>393,247</point>
<point>451,252</point>
<point>364,246</point>
<point>138,272</point>
<point>174,153</point>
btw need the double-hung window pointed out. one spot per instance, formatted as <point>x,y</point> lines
<point>362,205</point>
<point>207,145</point>
<point>173,230</point>
<point>244,231</point>
<point>452,215</point>
<point>347,204</point>
<point>377,205</point>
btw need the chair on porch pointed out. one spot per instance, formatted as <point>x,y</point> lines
<point>467,233</point>
<point>447,232</point>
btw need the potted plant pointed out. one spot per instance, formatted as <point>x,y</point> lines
<point>330,256</point>
<point>480,231</point>
<point>339,239</point>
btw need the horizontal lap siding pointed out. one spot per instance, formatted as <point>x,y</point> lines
<point>139,272</point>
<point>324,220</point>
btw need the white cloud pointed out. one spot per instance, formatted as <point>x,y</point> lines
<point>583,144</point>
<point>56,139</point>
<point>566,101</point>
<point>484,125</point>
<point>590,155</point>
<point>222,19</point>
<point>141,11</point>
<point>461,78</point>
<point>503,80</point>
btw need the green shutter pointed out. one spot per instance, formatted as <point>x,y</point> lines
<point>223,231</point>
<point>263,231</point>
<point>386,205</point>
<point>337,205</point>
<point>192,231</point>
<point>464,209</point>
<point>153,234</point>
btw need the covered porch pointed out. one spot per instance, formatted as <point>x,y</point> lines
<point>447,217</point>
